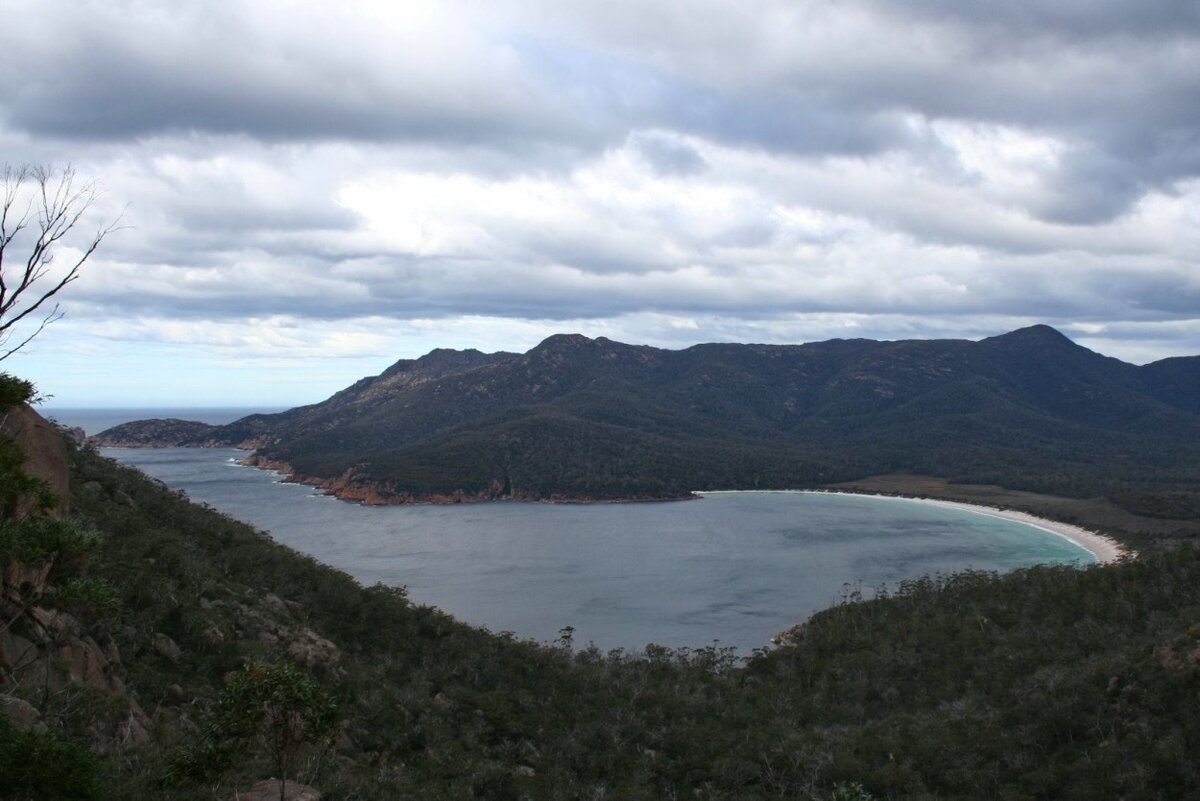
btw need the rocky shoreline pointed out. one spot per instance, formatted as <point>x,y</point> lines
<point>351,486</point>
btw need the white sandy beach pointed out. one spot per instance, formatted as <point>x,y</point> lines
<point>1104,549</point>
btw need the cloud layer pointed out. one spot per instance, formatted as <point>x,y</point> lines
<point>664,173</point>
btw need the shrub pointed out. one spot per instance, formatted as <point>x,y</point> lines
<point>38,540</point>
<point>15,390</point>
<point>273,707</point>
<point>37,765</point>
<point>88,597</point>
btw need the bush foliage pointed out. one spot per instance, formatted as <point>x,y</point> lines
<point>1048,682</point>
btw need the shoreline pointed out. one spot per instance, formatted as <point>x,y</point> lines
<point>1104,549</point>
<point>346,488</point>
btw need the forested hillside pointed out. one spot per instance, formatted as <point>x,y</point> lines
<point>1045,683</point>
<point>587,418</point>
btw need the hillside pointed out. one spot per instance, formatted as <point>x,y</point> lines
<point>1044,683</point>
<point>580,418</point>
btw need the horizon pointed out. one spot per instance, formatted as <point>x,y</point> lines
<point>277,405</point>
<point>444,176</point>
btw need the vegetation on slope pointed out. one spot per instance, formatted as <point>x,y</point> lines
<point>581,418</point>
<point>1048,682</point>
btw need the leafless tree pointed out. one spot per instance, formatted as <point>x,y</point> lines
<point>41,209</point>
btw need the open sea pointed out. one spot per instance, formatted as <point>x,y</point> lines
<point>731,569</point>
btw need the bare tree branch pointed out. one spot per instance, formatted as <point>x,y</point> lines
<point>40,209</point>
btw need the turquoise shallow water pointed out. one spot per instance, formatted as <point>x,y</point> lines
<point>733,567</point>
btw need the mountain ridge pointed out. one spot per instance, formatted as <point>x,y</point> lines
<point>580,418</point>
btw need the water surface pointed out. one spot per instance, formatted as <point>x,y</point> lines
<point>733,567</point>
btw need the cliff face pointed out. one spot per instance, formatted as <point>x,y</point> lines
<point>45,449</point>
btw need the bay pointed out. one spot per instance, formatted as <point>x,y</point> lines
<point>732,569</point>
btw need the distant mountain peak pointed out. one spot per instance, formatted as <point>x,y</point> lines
<point>449,355</point>
<point>578,346</point>
<point>1039,335</point>
<point>564,340</point>
<point>445,360</point>
<point>578,417</point>
<point>1038,331</point>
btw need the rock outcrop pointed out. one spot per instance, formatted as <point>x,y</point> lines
<point>21,714</point>
<point>45,450</point>
<point>40,645</point>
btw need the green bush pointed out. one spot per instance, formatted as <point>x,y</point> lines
<point>36,766</point>
<point>37,540</point>
<point>15,390</point>
<point>88,597</point>
<point>273,708</point>
<point>850,791</point>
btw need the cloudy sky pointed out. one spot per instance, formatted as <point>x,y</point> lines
<point>311,191</point>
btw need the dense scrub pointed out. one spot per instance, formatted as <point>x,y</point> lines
<point>1044,683</point>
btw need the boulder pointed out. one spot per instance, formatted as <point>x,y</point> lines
<point>15,650</point>
<point>23,715</point>
<point>275,605</point>
<point>20,582</point>
<point>86,663</point>
<point>133,731</point>
<point>165,647</point>
<point>312,649</point>
<point>212,634</point>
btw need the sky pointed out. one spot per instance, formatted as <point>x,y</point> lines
<point>308,192</point>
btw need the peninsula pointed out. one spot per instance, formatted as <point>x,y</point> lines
<point>582,419</point>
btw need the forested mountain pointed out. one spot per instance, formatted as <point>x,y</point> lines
<point>592,418</point>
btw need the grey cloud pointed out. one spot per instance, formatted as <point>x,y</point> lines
<point>751,234</point>
<point>1114,80</point>
<point>679,95</point>
<point>668,156</point>
<point>233,218</point>
<point>1091,187</point>
<point>1096,18</point>
<point>107,101</point>
<point>114,76</point>
<point>1154,292</point>
<point>407,288</point>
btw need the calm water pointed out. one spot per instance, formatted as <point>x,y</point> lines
<point>733,567</point>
